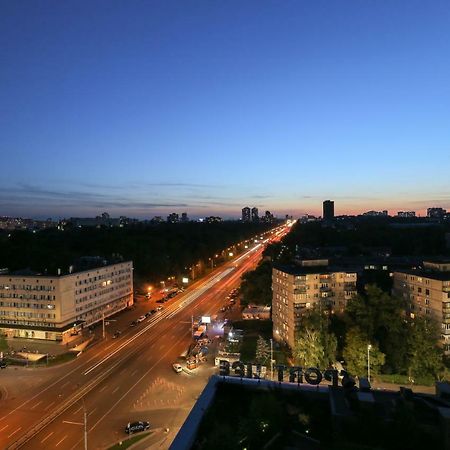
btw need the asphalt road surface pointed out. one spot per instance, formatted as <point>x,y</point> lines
<point>120,380</point>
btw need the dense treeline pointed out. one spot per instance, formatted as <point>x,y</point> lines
<point>157,251</point>
<point>376,319</point>
<point>358,236</point>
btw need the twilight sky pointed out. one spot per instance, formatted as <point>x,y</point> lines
<point>141,108</point>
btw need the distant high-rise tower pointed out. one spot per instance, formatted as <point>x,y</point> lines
<point>184,217</point>
<point>328,210</point>
<point>255,216</point>
<point>246,214</point>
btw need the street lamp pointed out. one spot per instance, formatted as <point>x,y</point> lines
<point>369,347</point>
<point>271,359</point>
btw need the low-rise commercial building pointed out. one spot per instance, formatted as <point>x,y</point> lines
<point>311,283</point>
<point>53,308</point>
<point>426,292</point>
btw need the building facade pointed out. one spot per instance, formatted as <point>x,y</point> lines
<point>56,307</point>
<point>246,214</point>
<point>255,214</point>
<point>312,284</point>
<point>427,293</point>
<point>328,210</point>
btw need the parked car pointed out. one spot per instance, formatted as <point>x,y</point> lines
<point>117,334</point>
<point>134,427</point>
<point>133,324</point>
<point>3,364</point>
<point>177,367</point>
<point>159,308</point>
<point>141,319</point>
<point>153,311</point>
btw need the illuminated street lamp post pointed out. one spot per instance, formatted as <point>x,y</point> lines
<point>369,347</point>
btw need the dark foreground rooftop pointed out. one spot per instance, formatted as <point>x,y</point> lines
<point>234,413</point>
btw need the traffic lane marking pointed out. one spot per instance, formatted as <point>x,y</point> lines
<point>49,406</point>
<point>103,388</point>
<point>115,390</point>
<point>4,428</point>
<point>37,404</point>
<point>59,442</point>
<point>43,440</point>
<point>14,432</point>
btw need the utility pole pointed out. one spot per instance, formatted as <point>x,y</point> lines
<point>103,320</point>
<point>368,362</point>
<point>192,325</point>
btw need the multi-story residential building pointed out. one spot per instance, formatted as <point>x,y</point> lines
<point>384,213</point>
<point>255,214</point>
<point>173,218</point>
<point>436,213</point>
<point>246,214</point>
<point>427,292</point>
<point>311,284</point>
<point>56,307</point>
<point>328,210</point>
<point>407,214</point>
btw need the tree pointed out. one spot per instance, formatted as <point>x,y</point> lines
<point>256,285</point>
<point>262,350</point>
<point>355,353</point>
<point>308,349</point>
<point>425,357</point>
<point>375,312</point>
<point>380,315</point>
<point>320,322</point>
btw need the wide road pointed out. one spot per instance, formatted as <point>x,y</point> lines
<point>109,381</point>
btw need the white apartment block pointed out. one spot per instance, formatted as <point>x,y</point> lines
<point>55,307</point>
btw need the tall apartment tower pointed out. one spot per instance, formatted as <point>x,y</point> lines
<point>246,214</point>
<point>328,210</point>
<point>255,215</point>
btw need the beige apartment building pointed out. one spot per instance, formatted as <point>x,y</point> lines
<point>55,307</point>
<point>312,283</point>
<point>427,292</point>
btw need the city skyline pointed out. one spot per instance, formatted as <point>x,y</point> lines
<point>151,108</point>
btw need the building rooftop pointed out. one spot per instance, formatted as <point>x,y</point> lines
<point>81,264</point>
<point>232,411</point>
<point>293,269</point>
<point>433,275</point>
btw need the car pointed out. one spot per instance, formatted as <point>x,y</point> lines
<point>177,367</point>
<point>135,427</point>
<point>134,323</point>
<point>148,314</point>
<point>141,319</point>
<point>161,300</point>
<point>153,311</point>
<point>3,364</point>
<point>117,334</point>
<point>159,308</point>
